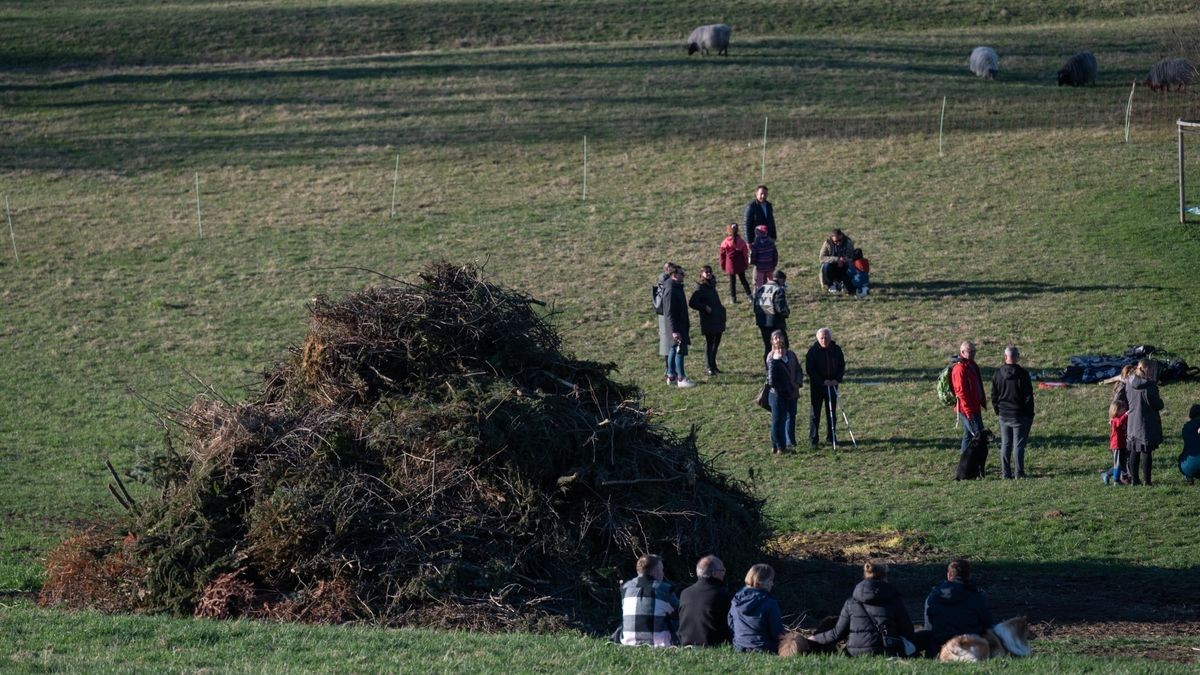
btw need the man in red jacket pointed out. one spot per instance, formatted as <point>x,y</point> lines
<point>968,389</point>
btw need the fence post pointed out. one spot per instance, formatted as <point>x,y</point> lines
<point>585,168</point>
<point>1182,205</point>
<point>1129,110</point>
<point>11,234</point>
<point>395,182</point>
<point>941,127</point>
<point>199,224</point>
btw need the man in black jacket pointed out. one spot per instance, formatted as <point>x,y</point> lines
<point>825,366</point>
<point>954,607</point>
<point>759,212</point>
<point>1012,400</point>
<point>704,606</point>
<point>677,327</point>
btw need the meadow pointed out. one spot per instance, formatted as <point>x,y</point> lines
<point>1036,224</point>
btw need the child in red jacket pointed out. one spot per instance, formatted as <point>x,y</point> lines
<point>735,258</point>
<point>1118,417</point>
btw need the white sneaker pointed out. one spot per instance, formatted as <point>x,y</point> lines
<point>685,383</point>
<point>861,293</point>
<point>833,288</point>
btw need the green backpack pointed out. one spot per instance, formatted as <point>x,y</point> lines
<point>945,390</point>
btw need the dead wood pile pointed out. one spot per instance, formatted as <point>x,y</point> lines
<point>429,455</point>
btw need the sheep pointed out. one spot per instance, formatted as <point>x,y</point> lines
<point>1078,70</point>
<point>704,38</point>
<point>985,63</point>
<point>1178,72</point>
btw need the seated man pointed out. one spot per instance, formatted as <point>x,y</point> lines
<point>1189,459</point>
<point>954,607</point>
<point>649,608</point>
<point>837,255</point>
<point>704,606</point>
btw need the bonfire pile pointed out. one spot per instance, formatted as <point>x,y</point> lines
<point>428,456</point>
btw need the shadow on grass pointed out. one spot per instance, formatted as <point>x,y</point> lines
<point>994,289</point>
<point>1072,592</point>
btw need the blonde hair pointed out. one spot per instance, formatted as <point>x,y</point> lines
<point>874,569</point>
<point>1116,408</point>
<point>761,576</point>
<point>1147,369</point>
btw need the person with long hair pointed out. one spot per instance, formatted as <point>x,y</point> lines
<point>785,375</point>
<point>1144,433</point>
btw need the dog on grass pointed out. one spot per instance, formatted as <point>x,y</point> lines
<point>971,464</point>
<point>1010,638</point>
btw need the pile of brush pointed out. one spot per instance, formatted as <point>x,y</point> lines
<point>428,456</point>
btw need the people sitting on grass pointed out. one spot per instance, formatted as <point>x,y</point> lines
<point>649,608</point>
<point>704,606</point>
<point>754,617</point>
<point>735,259</point>
<point>873,620</point>
<point>954,607</point>
<point>764,256</point>
<point>837,257</point>
<point>1189,459</point>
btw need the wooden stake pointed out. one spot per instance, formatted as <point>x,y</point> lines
<point>1129,110</point>
<point>763,176</point>
<point>395,182</point>
<point>585,168</point>
<point>11,235</point>
<point>199,224</point>
<point>941,128</point>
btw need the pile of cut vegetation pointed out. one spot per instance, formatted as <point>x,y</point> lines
<point>428,456</point>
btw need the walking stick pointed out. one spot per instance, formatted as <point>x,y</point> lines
<point>829,407</point>
<point>842,409</point>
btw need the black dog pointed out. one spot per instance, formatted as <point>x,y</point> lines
<point>971,464</point>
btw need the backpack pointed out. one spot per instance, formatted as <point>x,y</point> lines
<point>766,299</point>
<point>945,390</point>
<point>656,298</point>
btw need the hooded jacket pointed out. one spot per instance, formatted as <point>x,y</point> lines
<point>735,255</point>
<point>955,608</point>
<point>874,605</point>
<point>1144,403</point>
<point>1012,392</point>
<point>755,621</point>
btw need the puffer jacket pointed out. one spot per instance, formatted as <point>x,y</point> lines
<point>875,605</point>
<point>1145,425</point>
<point>707,303</point>
<point>755,621</point>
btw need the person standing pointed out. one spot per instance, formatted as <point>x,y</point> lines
<point>1144,433</point>
<point>1012,401</point>
<point>704,606</point>
<point>664,337</point>
<point>785,377</point>
<point>649,608</point>
<point>826,367</point>
<point>771,309</point>
<point>764,256</point>
<point>759,212</point>
<point>735,258</point>
<point>707,303</point>
<point>677,324</point>
<point>967,383</point>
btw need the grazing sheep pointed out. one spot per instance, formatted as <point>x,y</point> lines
<point>985,63</point>
<point>1178,72</point>
<point>715,37</point>
<point>1079,70</point>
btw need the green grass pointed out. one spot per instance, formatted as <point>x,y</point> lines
<point>1039,226</point>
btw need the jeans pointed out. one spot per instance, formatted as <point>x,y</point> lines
<point>761,277</point>
<point>972,426</point>
<point>711,344</point>
<point>783,421</point>
<point>1014,434</point>
<point>832,272</point>
<point>858,279</point>
<point>675,361</point>
<point>824,404</point>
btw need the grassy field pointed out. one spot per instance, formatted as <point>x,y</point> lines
<point>1037,225</point>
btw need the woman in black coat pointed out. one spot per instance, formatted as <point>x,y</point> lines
<point>707,303</point>
<point>873,612</point>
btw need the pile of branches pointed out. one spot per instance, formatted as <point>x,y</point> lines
<point>428,456</point>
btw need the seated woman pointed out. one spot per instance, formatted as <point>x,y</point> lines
<point>873,614</point>
<point>754,617</point>
<point>1189,459</point>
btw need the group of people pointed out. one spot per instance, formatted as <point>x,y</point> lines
<point>1135,423</point>
<point>873,620</point>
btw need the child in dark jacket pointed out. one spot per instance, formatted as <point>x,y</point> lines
<point>860,274</point>
<point>1118,416</point>
<point>754,617</point>
<point>764,256</point>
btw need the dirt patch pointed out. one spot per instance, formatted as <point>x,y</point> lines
<point>854,547</point>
